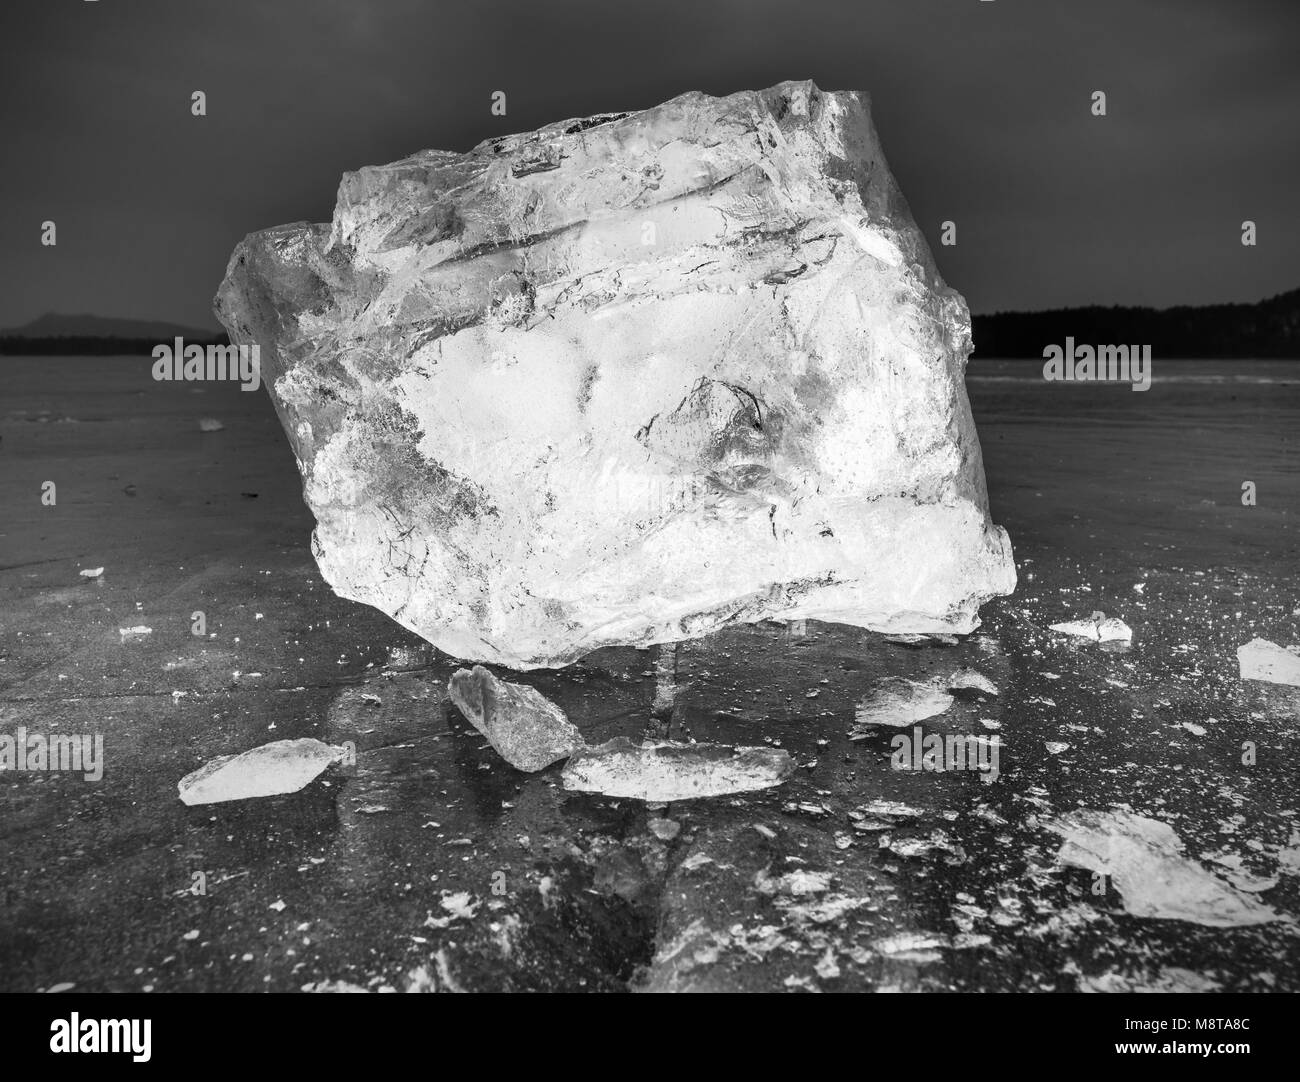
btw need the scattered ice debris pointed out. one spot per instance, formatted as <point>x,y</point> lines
<point>898,703</point>
<point>90,572</point>
<point>278,905</point>
<point>1166,979</point>
<point>524,727</point>
<point>1055,747</point>
<point>970,680</point>
<point>990,723</point>
<point>1193,728</point>
<point>210,424</point>
<point>671,771</point>
<point>1144,858</point>
<point>284,766</point>
<point>333,987</point>
<point>1263,660</point>
<point>1097,628</point>
<point>130,634</point>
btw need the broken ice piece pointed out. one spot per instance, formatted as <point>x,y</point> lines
<point>129,634</point>
<point>210,424</point>
<point>898,703</point>
<point>1144,858</point>
<point>284,766</point>
<point>671,771</point>
<point>1085,629</point>
<point>970,680</point>
<point>890,809</point>
<point>664,829</point>
<point>461,905</point>
<point>552,380</point>
<point>524,727</point>
<point>1263,660</point>
<point>1098,628</point>
<point>91,572</point>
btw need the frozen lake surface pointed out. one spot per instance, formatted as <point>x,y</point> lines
<point>1125,502</point>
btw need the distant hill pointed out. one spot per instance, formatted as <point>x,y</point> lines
<point>58,334</point>
<point>1270,328</point>
<point>56,325</point>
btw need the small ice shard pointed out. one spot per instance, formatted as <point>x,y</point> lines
<point>524,727</point>
<point>918,946</point>
<point>663,772</point>
<point>284,766</point>
<point>460,905</point>
<point>1263,660</point>
<point>970,680</point>
<point>91,572</point>
<point>210,424</point>
<point>798,883</point>
<point>664,829</point>
<point>898,703</point>
<point>890,809</point>
<point>1082,628</point>
<point>1145,859</point>
<point>1055,747</point>
<point>1193,728</point>
<point>129,634</point>
<point>1098,628</point>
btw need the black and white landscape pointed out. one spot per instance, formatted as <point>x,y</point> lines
<point>581,499</point>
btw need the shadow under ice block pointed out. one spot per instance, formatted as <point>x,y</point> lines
<point>630,379</point>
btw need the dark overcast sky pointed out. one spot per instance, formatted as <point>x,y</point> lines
<point>982,105</point>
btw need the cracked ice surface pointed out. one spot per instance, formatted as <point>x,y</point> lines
<point>628,380</point>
